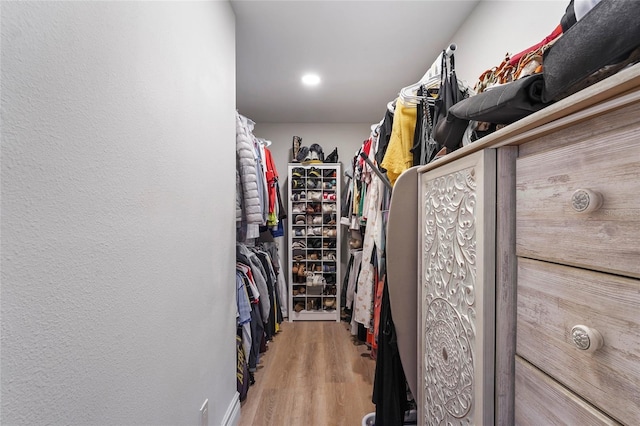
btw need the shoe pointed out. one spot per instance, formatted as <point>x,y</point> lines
<point>299,232</point>
<point>299,307</point>
<point>298,196</point>
<point>329,256</point>
<point>327,185</point>
<point>297,172</point>
<point>312,184</point>
<point>329,196</point>
<point>328,208</point>
<point>294,268</point>
<point>329,173</point>
<point>298,208</point>
<point>316,152</point>
<point>303,153</point>
<point>299,244</point>
<point>317,220</point>
<point>315,172</point>
<point>300,219</point>
<point>315,195</point>
<point>329,302</point>
<point>329,232</point>
<point>302,271</point>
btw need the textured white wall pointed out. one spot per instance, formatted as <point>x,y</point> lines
<point>497,27</point>
<point>118,217</point>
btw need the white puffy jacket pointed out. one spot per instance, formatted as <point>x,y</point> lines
<point>246,167</point>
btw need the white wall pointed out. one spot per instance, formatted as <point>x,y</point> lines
<point>497,27</point>
<point>118,283</point>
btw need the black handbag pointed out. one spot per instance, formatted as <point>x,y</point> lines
<point>505,103</point>
<point>448,129</point>
<point>604,37</point>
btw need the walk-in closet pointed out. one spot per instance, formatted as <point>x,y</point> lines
<point>434,218</point>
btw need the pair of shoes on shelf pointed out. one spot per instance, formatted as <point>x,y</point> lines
<point>314,243</point>
<point>329,256</point>
<point>299,306</point>
<point>314,220</point>
<point>313,184</point>
<point>299,232</point>
<point>329,196</point>
<point>298,172</point>
<point>329,232</point>
<point>315,172</point>
<point>329,302</point>
<point>329,244</point>
<point>315,195</point>
<point>313,208</point>
<point>299,244</point>
<point>328,219</point>
<point>298,196</point>
<point>298,208</point>
<point>329,208</point>
<point>316,230</point>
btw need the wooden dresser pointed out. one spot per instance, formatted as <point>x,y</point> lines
<point>557,296</point>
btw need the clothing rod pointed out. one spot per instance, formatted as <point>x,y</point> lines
<point>377,171</point>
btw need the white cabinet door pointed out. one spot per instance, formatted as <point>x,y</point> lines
<point>456,302</point>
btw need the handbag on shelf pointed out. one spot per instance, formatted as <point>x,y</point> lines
<point>601,43</point>
<point>504,103</point>
<point>448,128</point>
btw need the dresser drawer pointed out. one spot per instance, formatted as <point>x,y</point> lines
<point>552,299</point>
<point>548,225</point>
<point>540,400</point>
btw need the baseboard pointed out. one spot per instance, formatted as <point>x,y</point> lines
<point>232,416</point>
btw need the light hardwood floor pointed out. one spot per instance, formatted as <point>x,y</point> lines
<point>312,375</point>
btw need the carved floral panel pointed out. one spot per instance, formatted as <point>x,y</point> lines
<point>449,297</point>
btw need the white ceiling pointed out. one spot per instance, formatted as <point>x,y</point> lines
<point>365,52</point>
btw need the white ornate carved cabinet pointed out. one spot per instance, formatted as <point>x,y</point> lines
<point>314,241</point>
<point>456,291</point>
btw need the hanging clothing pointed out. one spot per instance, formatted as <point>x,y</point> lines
<point>398,157</point>
<point>389,385</point>
<point>271,175</point>
<point>372,237</point>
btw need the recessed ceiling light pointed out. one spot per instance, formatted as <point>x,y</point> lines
<point>311,79</point>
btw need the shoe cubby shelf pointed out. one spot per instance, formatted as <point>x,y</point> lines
<point>314,241</point>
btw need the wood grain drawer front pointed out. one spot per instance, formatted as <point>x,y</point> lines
<point>547,225</point>
<point>540,400</point>
<point>552,299</point>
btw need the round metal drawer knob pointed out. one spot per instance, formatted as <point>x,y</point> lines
<point>586,201</point>
<point>586,339</point>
